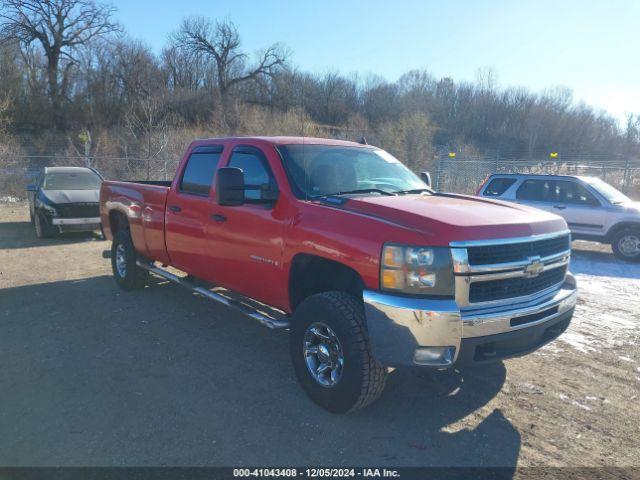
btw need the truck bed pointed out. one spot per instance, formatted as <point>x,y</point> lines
<point>143,203</point>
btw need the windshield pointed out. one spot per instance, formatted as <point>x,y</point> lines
<point>72,181</point>
<point>319,170</point>
<point>607,191</point>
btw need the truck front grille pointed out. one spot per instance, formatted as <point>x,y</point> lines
<point>515,252</point>
<point>506,288</point>
<point>78,210</point>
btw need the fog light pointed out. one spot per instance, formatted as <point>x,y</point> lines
<point>437,356</point>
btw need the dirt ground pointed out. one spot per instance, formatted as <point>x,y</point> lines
<point>91,375</point>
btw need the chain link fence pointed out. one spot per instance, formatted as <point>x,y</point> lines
<point>465,174</point>
<point>461,174</point>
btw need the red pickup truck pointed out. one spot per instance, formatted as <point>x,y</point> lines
<point>342,244</point>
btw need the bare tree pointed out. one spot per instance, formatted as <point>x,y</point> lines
<point>220,41</point>
<point>184,70</point>
<point>5,114</point>
<point>60,27</point>
<point>146,121</point>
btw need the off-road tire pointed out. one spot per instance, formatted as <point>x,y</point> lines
<point>363,378</point>
<point>43,227</point>
<point>134,277</point>
<point>615,244</point>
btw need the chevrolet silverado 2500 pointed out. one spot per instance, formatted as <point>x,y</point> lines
<point>343,245</point>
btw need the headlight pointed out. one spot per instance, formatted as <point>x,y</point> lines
<point>417,270</point>
<point>45,204</point>
<point>49,209</point>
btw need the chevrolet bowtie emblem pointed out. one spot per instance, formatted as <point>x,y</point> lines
<point>534,268</point>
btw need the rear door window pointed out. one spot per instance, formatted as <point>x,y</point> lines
<point>498,186</point>
<point>536,190</point>
<point>199,171</point>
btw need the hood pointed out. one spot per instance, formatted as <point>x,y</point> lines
<point>445,218</point>
<point>633,207</point>
<point>72,196</point>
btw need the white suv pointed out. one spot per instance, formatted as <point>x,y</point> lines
<point>593,209</point>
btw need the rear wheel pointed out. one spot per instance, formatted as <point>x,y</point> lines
<point>331,354</point>
<point>43,226</point>
<point>128,275</point>
<point>626,244</point>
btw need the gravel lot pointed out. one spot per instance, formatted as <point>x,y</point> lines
<point>90,375</point>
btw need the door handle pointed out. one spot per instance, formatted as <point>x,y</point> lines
<point>175,208</point>
<point>559,207</point>
<point>218,218</point>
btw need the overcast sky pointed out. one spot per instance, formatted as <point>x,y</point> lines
<point>592,47</point>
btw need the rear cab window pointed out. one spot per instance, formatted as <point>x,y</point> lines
<point>198,174</point>
<point>498,186</point>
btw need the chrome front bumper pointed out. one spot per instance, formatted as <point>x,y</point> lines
<point>401,327</point>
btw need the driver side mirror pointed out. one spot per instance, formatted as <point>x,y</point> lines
<point>230,187</point>
<point>32,187</point>
<point>426,178</point>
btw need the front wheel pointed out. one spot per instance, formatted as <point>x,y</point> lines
<point>626,245</point>
<point>43,226</point>
<point>330,351</point>
<point>128,275</point>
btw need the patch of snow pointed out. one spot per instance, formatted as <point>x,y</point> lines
<point>564,398</point>
<point>625,359</point>
<point>531,388</point>
<point>550,348</point>
<point>584,407</point>
<point>608,311</point>
<point>9,199</point>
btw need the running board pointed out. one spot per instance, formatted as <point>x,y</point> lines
<point>216,297</point>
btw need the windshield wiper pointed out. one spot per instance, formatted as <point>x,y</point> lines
<point>360,190</point>
<point>413,190</point>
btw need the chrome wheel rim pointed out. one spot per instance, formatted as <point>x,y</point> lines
<point>629,245</point>
<point>121,261</point>
<point>323,354</point>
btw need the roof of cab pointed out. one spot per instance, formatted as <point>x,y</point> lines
<point>284,140</point>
